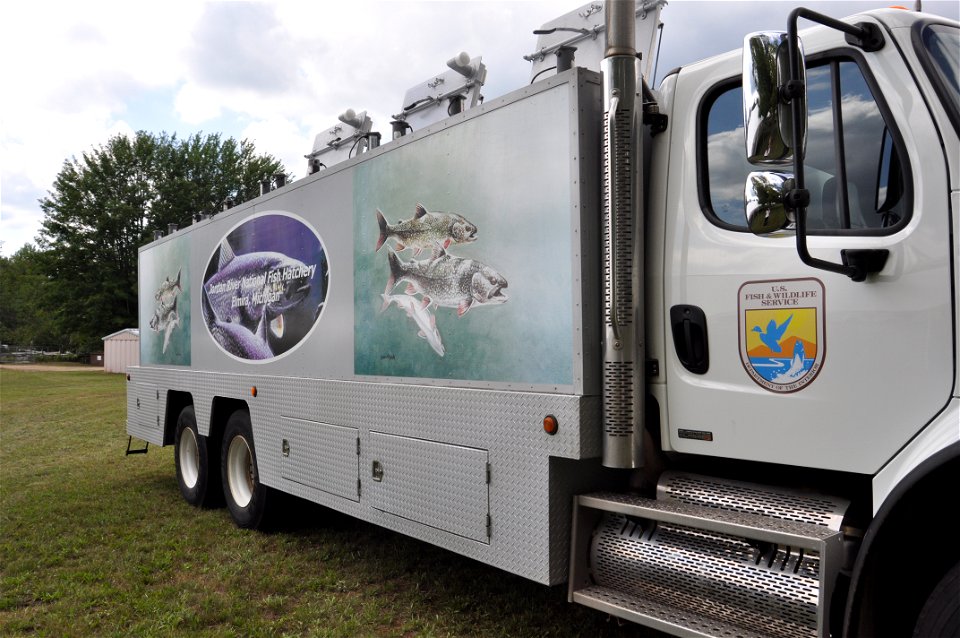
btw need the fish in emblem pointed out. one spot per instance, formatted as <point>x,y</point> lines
<point>425,230</point>
<point>448,281</point>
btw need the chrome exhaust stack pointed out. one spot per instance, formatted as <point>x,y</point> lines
<point>624,392</point>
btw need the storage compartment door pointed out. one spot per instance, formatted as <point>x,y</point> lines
<point>143,415</point>
<point>437,484</point>
<point>321,456</point>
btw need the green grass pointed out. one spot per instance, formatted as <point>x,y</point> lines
<point>96,543</point>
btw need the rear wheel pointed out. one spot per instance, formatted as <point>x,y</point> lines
<point>198,485</point>
<point>247,499</point>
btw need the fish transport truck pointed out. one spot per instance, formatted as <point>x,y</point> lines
<point>690,349</point>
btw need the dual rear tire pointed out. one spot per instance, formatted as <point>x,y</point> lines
<point>247,498</point>
<point>208,478</point>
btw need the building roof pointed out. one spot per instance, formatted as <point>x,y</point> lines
<point>133,331</point>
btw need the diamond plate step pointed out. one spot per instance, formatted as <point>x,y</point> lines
<point>697,570</point>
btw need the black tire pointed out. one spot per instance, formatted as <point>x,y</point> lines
<point>247,498</point>
<point>940,616</point>
<point>197,472</point>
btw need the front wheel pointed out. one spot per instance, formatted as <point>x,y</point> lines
<point>198,484</point>
<point>247,499</point>
<point>940,615</point>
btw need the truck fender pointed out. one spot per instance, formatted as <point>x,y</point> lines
<point>906,550</point>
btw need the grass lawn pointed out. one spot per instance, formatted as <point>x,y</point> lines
<point>93,543</point>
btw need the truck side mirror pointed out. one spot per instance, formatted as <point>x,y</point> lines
<point>767,94</point>
<point>764,198</point>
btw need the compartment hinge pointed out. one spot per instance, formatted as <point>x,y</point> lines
<point>488,474</point>
<point>489,526</point>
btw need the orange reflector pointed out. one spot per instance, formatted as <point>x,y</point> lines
<point>897,6</point>
<point>253,391</point>
<point>550,425</point>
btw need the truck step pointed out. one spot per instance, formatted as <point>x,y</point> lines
<point>698,570</point>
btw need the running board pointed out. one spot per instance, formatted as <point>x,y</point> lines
<point>692,569</point>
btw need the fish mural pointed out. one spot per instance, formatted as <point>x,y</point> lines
<point>426,229</point>
<point>165,318</point>
<point>418,311</point>
<point>449,281</point>
<point>442,280</point>
<point>265,287</point>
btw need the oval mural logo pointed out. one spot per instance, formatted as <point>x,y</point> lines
<point>265,286</point>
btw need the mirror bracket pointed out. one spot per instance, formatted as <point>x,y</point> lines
<point>796,198</point>
<point>856,264</point>
<point>791,90</point>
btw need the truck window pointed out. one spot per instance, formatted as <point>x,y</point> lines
<point>938,46</point>
<point>852,165</point>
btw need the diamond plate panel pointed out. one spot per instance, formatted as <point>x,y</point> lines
<point>440,485</point>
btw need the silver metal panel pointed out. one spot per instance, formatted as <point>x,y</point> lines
<point>321,456</point>
<point>143,415</point>
<point>533,475</point>
<point>440,485</point>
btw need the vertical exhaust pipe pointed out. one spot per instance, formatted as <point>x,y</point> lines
<point>624,391</point>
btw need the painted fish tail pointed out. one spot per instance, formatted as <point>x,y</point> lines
<point>396,272</point>
<point>384,229</point>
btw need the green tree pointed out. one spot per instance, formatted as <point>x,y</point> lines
<point>24,286</point>
<point>108,203</point>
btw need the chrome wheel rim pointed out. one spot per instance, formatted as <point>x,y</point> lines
<point>240,471</point>
<point>189,456</point>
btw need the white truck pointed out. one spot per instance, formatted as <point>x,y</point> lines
<point>692,350</point>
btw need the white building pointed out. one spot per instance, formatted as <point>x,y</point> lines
<point>121,349</point>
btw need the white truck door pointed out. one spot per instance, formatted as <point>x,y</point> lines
<point>806,367</point>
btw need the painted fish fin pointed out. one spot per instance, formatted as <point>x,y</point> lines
<point>438,251</point>
<point>422,334</point>
<point>411,289</point>
<point>176,284</point>
<point>226,255</point>
<point>447,242</point>
<point>401,247</point>
<point>384,229</point>
<point>425,302</point>
<point>421,211</point>
<point>464,306</point>
<point>386,302</point>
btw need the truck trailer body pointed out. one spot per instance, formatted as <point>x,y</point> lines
<point>543,332</point>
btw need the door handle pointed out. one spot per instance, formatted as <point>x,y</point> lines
<point>689,325</point>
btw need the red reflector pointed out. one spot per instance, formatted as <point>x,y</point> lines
<point>550,425</point>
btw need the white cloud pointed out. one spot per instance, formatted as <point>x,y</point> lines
<point>273,72</point>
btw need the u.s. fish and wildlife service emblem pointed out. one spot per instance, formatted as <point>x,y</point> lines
<point>782,336</point>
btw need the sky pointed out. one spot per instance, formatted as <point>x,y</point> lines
<point>277,72</point>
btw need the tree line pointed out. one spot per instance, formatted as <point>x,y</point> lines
<point>79,283</point>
